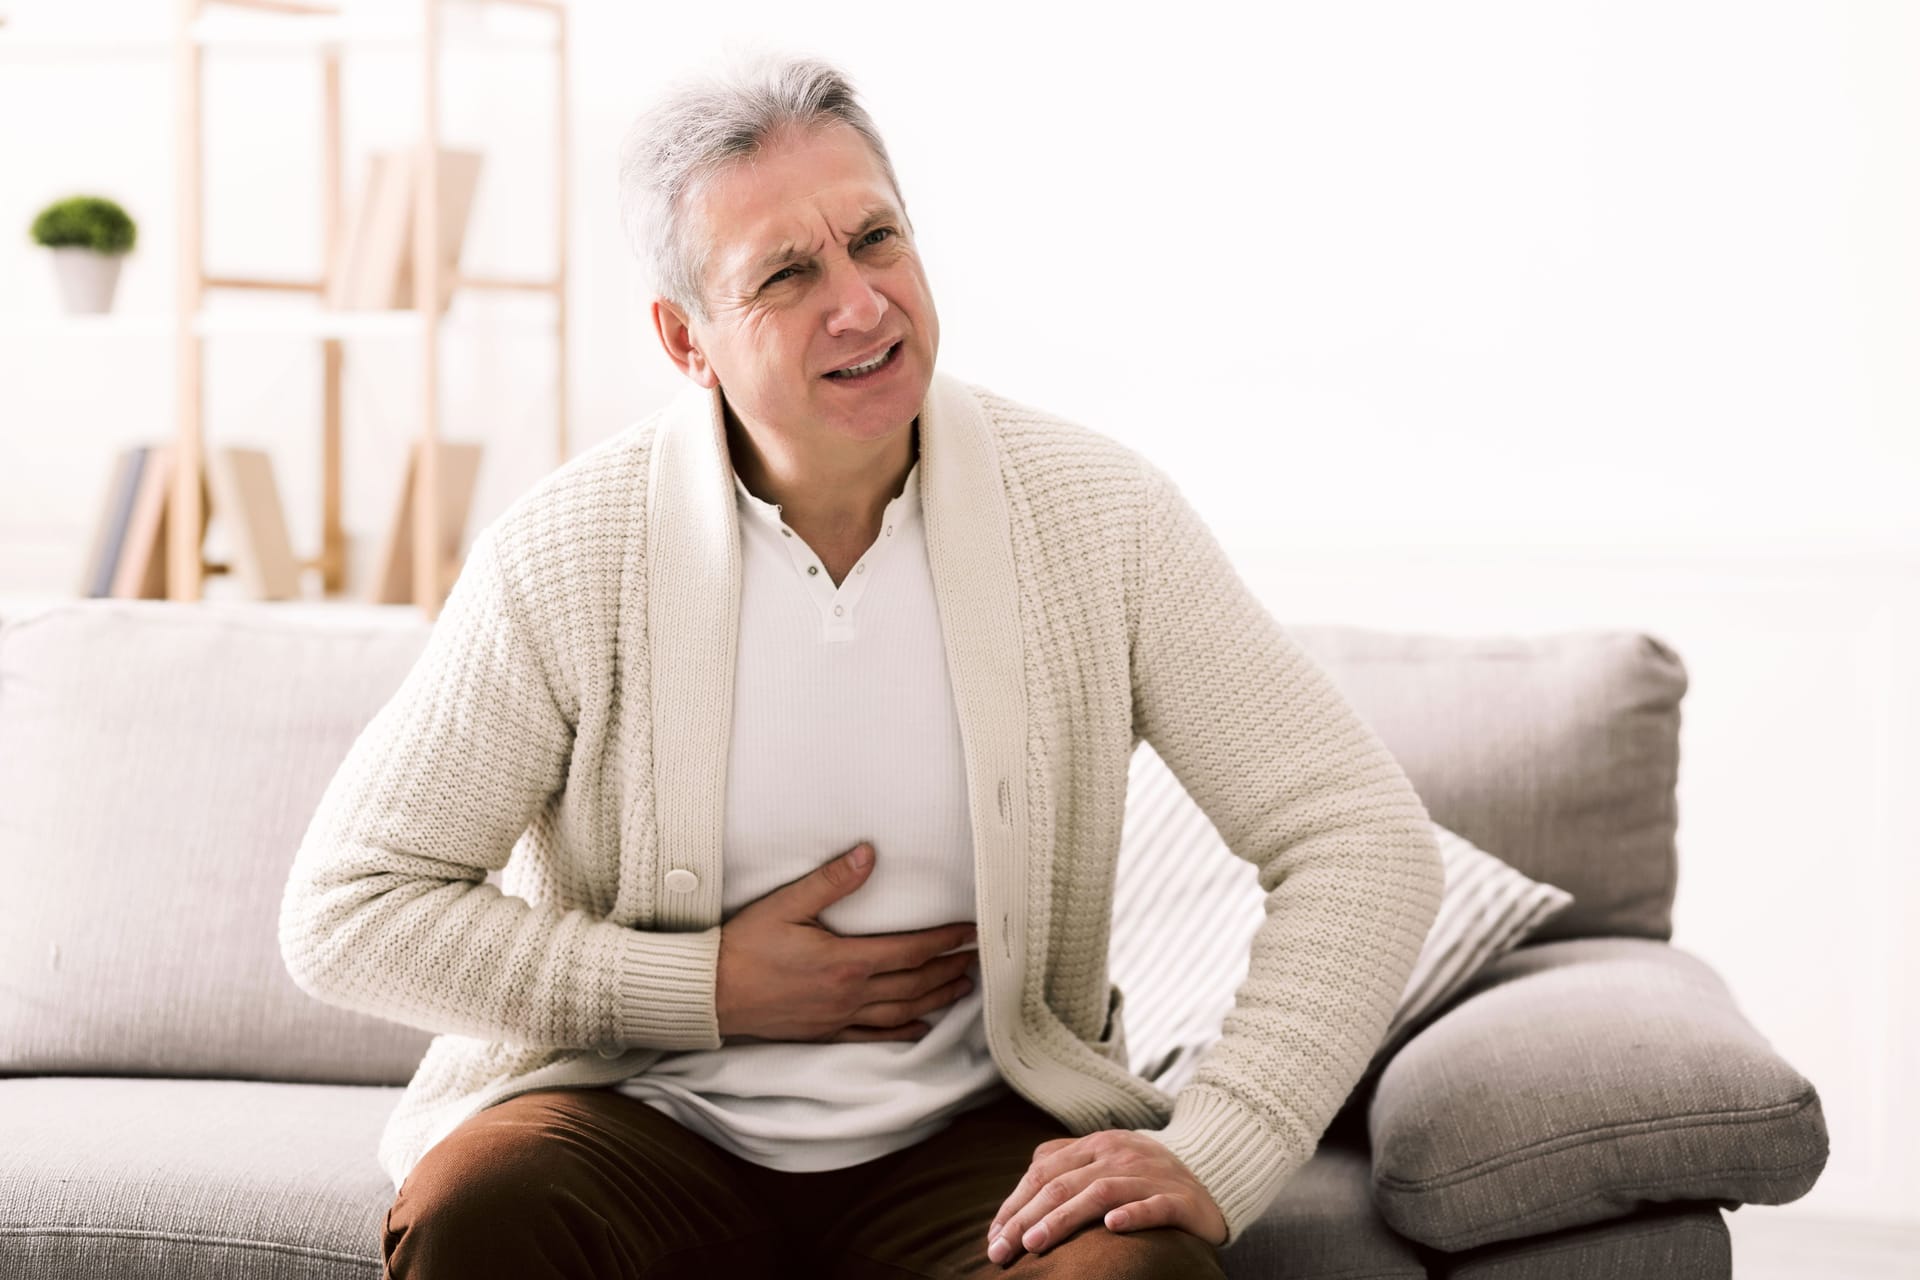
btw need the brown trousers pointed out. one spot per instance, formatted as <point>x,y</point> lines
<point>593,1183</point>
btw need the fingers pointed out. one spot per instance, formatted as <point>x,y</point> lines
<point>910,995</point>
<point>1040,1171</point>
<point>880,1013</point>
<point>897,952</point>
<point>911,1031</point>
<point>911,984</point>
<point>1036,1228</point>
<point>1060,1169</point>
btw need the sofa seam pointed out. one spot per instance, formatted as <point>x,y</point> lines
<point>1586,1137</point>
<point>182,1237</point>
<point>1524,1224</point>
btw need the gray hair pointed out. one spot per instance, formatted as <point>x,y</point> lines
<point>702,125</point>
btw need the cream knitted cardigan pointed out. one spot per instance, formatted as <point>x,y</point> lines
<point>571,708</point>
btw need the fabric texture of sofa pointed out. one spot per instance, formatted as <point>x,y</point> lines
<point>1590,1104</point>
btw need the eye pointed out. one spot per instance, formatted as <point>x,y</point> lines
<point>878,230</point>
<point>775,277</point>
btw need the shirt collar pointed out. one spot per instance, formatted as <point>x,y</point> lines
<point>905,503</point>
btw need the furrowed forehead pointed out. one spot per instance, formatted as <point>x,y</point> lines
<point>870,216</point>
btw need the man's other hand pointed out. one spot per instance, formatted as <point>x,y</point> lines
<point>1125,1180</point>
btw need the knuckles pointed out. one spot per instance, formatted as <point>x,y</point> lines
<point>848,975</point>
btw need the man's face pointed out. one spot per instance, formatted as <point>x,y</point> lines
<point>812,269</point>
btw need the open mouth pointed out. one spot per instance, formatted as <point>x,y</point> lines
<point>867,373</point>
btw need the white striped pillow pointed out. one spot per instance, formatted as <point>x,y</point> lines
<point>1185,910</point>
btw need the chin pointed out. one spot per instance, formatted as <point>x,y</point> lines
<point>888,414</point>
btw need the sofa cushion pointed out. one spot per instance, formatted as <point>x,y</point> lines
<point>159,763</point>
<point>1486,910</point>
<point>1681,1241</point>
<point>145,1179</point>
<point>1556,753</point>
<point>1577,1081</point>
<point>1186,908</point>
<point>1322,1224</point>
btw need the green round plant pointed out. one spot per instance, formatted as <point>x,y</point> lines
<point>88,222</point>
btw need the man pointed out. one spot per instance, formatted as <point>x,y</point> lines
<point>829,603</point>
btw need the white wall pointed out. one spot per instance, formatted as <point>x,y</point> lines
<point>1472,317</point>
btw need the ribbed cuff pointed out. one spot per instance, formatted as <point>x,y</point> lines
<point>1232,1154</point>
<point>666,993</point>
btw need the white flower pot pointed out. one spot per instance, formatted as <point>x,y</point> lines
<point>87,278</point>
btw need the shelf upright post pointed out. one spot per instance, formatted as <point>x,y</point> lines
<point>429,565</point>
<point>560,225</point>
<point>186,517</point>
<point>333,537</point>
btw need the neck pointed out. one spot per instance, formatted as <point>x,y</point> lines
<point>833,497</point>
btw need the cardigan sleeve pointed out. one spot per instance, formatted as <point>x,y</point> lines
<point>1299,786</point>
<point>386,909</point>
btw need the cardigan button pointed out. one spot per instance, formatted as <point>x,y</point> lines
<point>609,1052</point>
<point>681,880</point>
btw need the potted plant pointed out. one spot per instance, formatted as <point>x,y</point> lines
<point>88,235</point>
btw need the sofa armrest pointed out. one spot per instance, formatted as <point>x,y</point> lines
<point>1574,1081</point>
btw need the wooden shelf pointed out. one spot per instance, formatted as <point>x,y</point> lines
<point>260,321</point>
<point>269,33</point>
<point>422,29</point>
<point>111,325</point>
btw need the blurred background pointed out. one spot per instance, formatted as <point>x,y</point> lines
<point>1477,318</point>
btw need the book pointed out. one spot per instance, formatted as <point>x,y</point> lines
<point>366,264</point>
<point>247,502</point>
<point>372,267</point>
<point>459,178</point>
<point>142,570</point>
<point>96,545</point>
<point>111,527</point>
<point>392,581</point>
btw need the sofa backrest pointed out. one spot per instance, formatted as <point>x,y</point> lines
<point>159,764</point>
<point>1558,753</point>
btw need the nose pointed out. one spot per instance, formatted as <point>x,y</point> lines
<point>856,305</point>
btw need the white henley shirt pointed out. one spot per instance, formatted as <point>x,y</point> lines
<point>844,730</point>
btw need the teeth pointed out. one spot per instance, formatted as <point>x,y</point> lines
<point>875,363</point>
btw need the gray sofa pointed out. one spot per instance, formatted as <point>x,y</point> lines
<point>172,1105</point>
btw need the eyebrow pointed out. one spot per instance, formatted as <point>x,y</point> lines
<point>873,216</point>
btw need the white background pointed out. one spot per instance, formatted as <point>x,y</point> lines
<point>1474,317</point>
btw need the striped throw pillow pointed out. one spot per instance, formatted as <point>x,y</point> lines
<point>1185,911</point>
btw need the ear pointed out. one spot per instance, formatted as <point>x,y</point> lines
<point>676,336</point>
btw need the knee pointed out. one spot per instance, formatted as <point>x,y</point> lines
<point>1158,1253</point>
<point>470,1199</point>
<point>474,1197</point>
